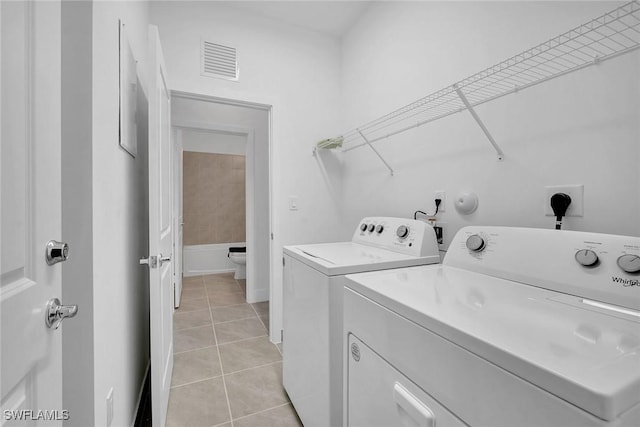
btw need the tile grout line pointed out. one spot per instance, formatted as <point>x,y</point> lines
<point>195,382</point>
<point>224,383</point>
<point>194,349</point>
<point>244,339</point>
<point>264,410</point>
<point>260,318</point>
<point>195,327</point>
<point>234,320</point>
<point>253,367</point>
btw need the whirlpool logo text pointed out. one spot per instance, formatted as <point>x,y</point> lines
<point>625,282</point>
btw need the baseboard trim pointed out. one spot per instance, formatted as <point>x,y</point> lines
<point>207,259</point>
<point>258,295</point>
<point>204,272</point>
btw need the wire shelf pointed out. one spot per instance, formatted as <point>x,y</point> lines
<point>610,35</point>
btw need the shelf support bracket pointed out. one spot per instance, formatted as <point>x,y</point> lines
<point>375,151</point>
<point>466,103</point>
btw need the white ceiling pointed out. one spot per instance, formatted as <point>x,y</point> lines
<point>329,17</point>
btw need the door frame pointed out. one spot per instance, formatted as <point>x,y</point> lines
<point>251,212</point>
<point>177,214</point>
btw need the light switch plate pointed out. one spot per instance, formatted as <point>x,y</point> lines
<point>293,203</point>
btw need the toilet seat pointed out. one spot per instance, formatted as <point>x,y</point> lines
<point>238,255</point>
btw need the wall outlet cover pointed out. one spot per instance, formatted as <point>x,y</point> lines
<point>576,192</point>
<point>442,195</point>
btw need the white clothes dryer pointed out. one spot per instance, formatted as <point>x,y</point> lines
<point>313,291</point>
<point>517,327</point>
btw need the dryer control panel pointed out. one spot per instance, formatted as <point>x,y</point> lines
<point>599,267</point>
<point>407,236</point>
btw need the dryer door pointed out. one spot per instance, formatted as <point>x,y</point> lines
<point>380,395</point>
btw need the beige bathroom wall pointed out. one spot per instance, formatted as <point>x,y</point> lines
<point>214,198</point>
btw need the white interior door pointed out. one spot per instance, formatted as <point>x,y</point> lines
<point>160,232</point>
<point>30,195</point>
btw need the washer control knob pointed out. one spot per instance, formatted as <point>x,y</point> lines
<point>402,231</point>
<point>379,229</point>
<point>363,227</point>
<point>371,228</point>
<point>629,263</point>
<point>586,257</point>
<point>476,243</point>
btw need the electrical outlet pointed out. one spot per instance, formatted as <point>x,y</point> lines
<point>110,407</point>
<point>439,227</point>
<point>576,192</point>
<point>441,194</point>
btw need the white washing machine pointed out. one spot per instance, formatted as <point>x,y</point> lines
<point>313,292</point>
<point>517,327</point>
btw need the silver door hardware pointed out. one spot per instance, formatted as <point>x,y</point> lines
<point>56,252</point>
<point>164,259</point>
<point>56,313</point>
<point>152,261</point>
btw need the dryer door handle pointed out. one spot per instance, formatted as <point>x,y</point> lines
<point>411,407</point>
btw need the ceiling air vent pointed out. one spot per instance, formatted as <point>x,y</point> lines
<point>218,61</point>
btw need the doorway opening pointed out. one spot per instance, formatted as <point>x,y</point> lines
<point>225,200</point>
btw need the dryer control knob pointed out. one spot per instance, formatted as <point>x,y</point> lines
<point>586,257</point>
<point>402,231</point>
<point>476,243</point>
<point>379,229</point>
<point>371,228</point>
<point>363,227</point>
<point>629,263</point>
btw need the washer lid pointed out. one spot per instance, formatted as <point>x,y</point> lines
<point>587,356</point>
<point>340,258</point>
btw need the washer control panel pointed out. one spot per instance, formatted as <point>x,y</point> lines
<point>598,267</point>
<point>408,236</point>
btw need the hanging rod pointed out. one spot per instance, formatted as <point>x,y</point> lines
<point>608,36</point>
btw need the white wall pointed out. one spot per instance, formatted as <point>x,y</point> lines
<point>578,129</point>
<point>213,142</point>
<point>120,221</point>
<point>294,70</point>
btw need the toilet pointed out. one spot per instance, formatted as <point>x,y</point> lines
<point>238,255</point>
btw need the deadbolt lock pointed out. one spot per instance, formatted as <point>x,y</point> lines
<point>57,252</point>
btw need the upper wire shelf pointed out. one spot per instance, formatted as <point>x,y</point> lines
<point>612,34</point>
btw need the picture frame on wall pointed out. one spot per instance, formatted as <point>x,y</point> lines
<point>128,93</point>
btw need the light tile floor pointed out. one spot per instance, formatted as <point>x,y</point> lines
<point>226,371</point>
